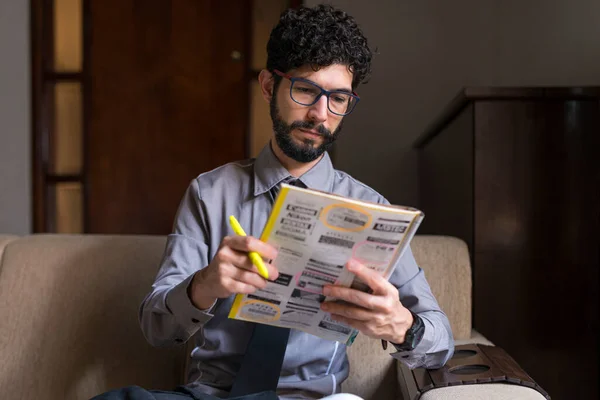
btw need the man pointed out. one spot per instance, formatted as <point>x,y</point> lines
<point>316,59</point>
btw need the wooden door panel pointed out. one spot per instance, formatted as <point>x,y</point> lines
<point>166,102</point>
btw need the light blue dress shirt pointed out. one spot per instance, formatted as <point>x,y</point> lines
<point>311,365</point>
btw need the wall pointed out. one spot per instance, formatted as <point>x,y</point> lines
<point>429,49</point>
<point>15,158</point>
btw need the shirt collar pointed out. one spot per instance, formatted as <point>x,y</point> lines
<point>269,172</point>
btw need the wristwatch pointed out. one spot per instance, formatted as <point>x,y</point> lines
<point>413,335</point>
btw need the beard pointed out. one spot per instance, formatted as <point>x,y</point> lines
<point>306,151</point>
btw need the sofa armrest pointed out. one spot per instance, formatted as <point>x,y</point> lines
<point>475,372</point>
<point>476,338</point>
<point>488,391</point>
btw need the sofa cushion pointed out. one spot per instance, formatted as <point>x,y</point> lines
<point>372,370</point>
<point>69,315</point>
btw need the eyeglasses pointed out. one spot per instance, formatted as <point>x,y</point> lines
<point>307,93</point>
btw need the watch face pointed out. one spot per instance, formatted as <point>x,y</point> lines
<point>410,340</point>
<point>414,340</point>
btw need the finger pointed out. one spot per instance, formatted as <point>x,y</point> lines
<point>250,243</point>
<point>249,278</point>
<point>347,310</point>
<point>372,279</point>
<point>235,286</point>
<point>360,325</point>
<point>356,297</point>
<point>241,260</point>
<point>237,258</point>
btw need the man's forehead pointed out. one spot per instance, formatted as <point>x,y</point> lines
<point>336,76</point>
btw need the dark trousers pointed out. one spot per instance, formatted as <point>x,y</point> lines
<point>180,393</point>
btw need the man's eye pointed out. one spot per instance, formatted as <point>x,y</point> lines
<point>340,99</point>
<point>300,89</point>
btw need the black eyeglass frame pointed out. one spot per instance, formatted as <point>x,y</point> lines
<point>325,92</point>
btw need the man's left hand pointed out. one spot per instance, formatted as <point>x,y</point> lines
<point>379,314</point>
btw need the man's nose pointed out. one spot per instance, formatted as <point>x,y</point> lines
<point>318,111</point>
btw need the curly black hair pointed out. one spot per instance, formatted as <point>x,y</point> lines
<point>319,36</point>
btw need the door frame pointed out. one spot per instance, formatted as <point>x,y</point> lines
<point>43,79</point>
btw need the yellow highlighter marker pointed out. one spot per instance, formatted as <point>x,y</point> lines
<point>254,256</point>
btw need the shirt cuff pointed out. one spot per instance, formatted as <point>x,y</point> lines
<point>417,357</point>
<point>180,305</point>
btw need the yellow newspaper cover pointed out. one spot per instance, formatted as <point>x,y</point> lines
<point>316,233</point>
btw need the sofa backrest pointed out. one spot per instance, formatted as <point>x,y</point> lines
<point>69,317</point>
<point>445,262</point>
<point>4,240</point>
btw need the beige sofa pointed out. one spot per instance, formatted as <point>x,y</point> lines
<point>69,328</point>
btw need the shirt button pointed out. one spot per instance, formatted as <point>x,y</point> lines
<point>194,320</point>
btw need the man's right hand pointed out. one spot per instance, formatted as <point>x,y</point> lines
<point>231,271</point>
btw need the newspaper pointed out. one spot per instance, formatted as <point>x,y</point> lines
<point>316,233</point>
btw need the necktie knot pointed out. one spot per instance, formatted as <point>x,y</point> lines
<point>290,180</point>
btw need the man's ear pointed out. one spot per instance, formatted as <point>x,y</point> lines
<point>267,84</point>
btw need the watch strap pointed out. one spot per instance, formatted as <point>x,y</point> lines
<point>416,329</point>
<point>413,335</point>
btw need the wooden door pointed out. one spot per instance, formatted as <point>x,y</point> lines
<point>167,100</point>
